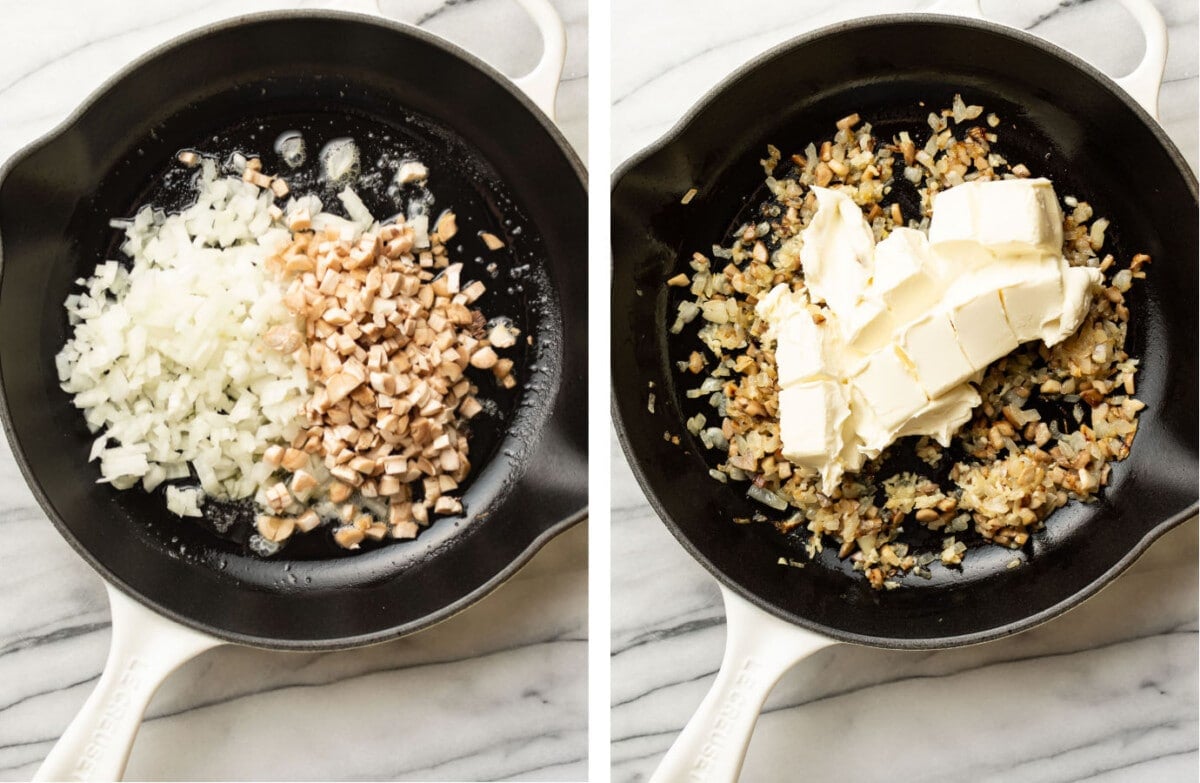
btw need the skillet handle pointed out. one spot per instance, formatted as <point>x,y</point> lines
<point>1144,81</point>
<point>759,648</point>
<point>145,649</point>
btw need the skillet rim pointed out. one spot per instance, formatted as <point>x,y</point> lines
<point>685,123</point>
<point>95,96</point>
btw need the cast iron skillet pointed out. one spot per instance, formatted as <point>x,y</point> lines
<point>493,157</point>
<point>1070,125</point>
<point>1063,118</point>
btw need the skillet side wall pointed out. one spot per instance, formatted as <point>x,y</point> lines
<point>1068,126</point>
<point>533,488</point>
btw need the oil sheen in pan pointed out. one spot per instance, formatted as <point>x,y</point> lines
<point>457,181</point>
<point>901,456</point>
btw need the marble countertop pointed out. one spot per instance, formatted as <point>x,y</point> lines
<point>497,692</point>
<point>1107,692</point>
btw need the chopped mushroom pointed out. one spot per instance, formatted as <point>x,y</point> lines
<point>492,241</point>
<point>405,530</point>
<point>273,456</point>
<point>348,537</point>
<point>387,333</point>
<point>484,358</point>
<point>447,227</point>
<point>503,336</point>
<point>278,496</point>
<point>308,521</point>
<point>275,529</point>
<point>302,481</point>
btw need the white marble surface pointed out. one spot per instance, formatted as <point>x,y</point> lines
<point>498,692</point>
<point>1106,693</point>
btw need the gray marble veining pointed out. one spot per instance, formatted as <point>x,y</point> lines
<point>497,692</point>
<point>1106,693</point>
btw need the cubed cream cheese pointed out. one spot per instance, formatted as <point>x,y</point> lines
<point>811,416</point>
<point>1000,271</point>
<point>1034,302</point>
<point>838,251</point>
<point>1077,282</point>
<point>902,272</point>
<point>804,349</point>
<point>854,452</point>
<point>901,288</point>
<point>931,346</point>
<point>982,329</point>
<point>1003,215</point>
<point>892,391</point>
<point>800,349</point>
<point>866,326</point>
<point>943,417</point>
<point>780,303</point>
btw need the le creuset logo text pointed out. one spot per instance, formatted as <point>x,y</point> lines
<point>731,710</point>
<point>114,711</point>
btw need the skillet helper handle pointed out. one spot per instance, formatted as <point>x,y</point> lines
<point>759,649</point>
<point>1144,81</point>
<point>540,84</point>
<point>145,649</point>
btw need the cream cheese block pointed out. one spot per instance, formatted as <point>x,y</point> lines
<point>910,320</point>
<point>837,252</point>
<point>811,419</point>
<point>931,346</point>
<point>943,417</point>
<point>1010,215</point>
<point>1078,283</point>
<point>893,393</point>
<point>982,328</point>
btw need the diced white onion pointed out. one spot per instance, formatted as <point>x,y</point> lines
<point>166,358</point>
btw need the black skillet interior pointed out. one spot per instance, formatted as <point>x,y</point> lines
<point>398,93</point>
<point>1062,119</point>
